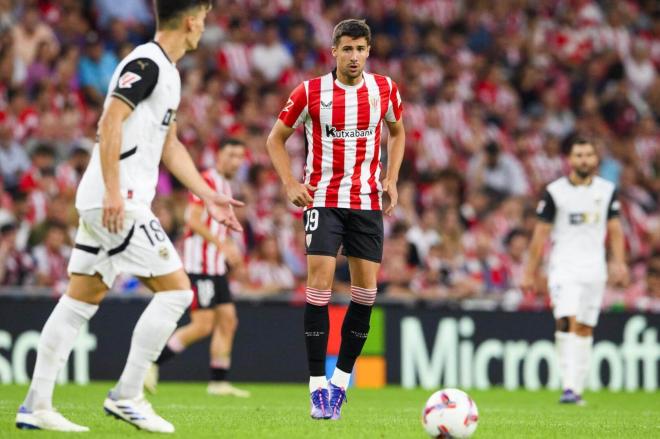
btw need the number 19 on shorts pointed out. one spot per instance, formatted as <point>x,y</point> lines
<point>311,220</point>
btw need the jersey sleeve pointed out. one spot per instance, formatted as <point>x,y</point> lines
<point>614,208</point>
<point>394,105</point>
<point>136,81</point>
<point>295,110</point>
<point>546,209</point>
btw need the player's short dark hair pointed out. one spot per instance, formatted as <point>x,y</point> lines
<point>231,141</point>
<point>168,11</point>
<point>579,141</point>
<point>353,28</point>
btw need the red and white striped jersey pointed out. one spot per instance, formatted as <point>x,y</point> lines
<point>199,255</point>
<point>342,131</point>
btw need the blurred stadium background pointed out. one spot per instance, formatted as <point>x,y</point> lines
<point>512,78</point>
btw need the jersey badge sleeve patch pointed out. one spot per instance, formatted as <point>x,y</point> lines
<point>128,79</point>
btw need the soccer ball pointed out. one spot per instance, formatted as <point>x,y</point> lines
<point>450,413</point>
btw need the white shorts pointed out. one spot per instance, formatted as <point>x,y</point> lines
<point>142,249</point>
<point>580,299</point>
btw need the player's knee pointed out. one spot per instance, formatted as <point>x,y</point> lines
<point>563,324</point>
<point>205,329</point>
<point>321,283</point>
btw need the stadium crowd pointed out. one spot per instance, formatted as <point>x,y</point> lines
<point>493,92</point>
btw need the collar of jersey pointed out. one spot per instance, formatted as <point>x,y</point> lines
<point>162,50</point>
<point>349,87</point>
<point>593,177</point>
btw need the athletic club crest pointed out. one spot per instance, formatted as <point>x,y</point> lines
<point>308,239</point>
<point>374,102</point>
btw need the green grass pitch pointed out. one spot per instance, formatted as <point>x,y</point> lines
<point>282,411</point>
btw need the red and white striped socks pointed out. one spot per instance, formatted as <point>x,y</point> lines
<point>318,297</point>
<point>363,296</point>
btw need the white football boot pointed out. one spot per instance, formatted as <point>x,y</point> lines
<point>223,388</point>
<point>151,380</point>
<point>137,412</point>
<point>45,420</point>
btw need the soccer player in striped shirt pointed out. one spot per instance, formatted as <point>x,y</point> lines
<point>342,114</point>
<point>207,250</point>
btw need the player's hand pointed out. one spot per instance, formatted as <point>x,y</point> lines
<point>298,193</point>
<point>221,208</point>
<point>113,211</point>
<point>619,275</point>
<point>389,187</point>
<point>527,283</point>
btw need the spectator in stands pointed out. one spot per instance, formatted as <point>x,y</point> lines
<point>70,171</point>
<point>29,33</point>
<point>266,270</point>
<point>13,158</point>
<point>486,267</point>
<point>396,269</point>
<point>498,171</point>
<point>444,276</point>
<point>52,257</point>
<point>96,68</point>
<point>42,160</point>
<point>135,13</point>
<point>270,56</point>
<point>16,266</point>
<point>516,243</point>
<point>424,235</point>
<point>644,295</point>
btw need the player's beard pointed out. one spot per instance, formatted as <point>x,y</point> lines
<point>584,173</point>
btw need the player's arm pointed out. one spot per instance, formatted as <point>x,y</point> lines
<point>291,116</point>
<point>196,224</point>
<point>110,137</point>
<point>180,164</point>
<point>618,268</point>
<point>297,192</point>
<point>396,144</point>
<point>136,81</point>
<point>546,212</point>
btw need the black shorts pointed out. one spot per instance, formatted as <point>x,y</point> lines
<point>209,290</point>
<point>360,232</point>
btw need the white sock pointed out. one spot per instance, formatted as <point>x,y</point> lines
<point>55,343</point>
<point>564,342</point>
<point>151,332</point>
<point>316,383</point>
<point>582,355</point>
<point>340,378</point>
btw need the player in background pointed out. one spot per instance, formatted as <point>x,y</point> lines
<point>206,253</point>
<point>577,211</point>
<point>118,233</point>
<point>342,113</point>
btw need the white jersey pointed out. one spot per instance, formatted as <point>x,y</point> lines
<point>579,215</point>
<point>148,82</point>
<point>199,255</point>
